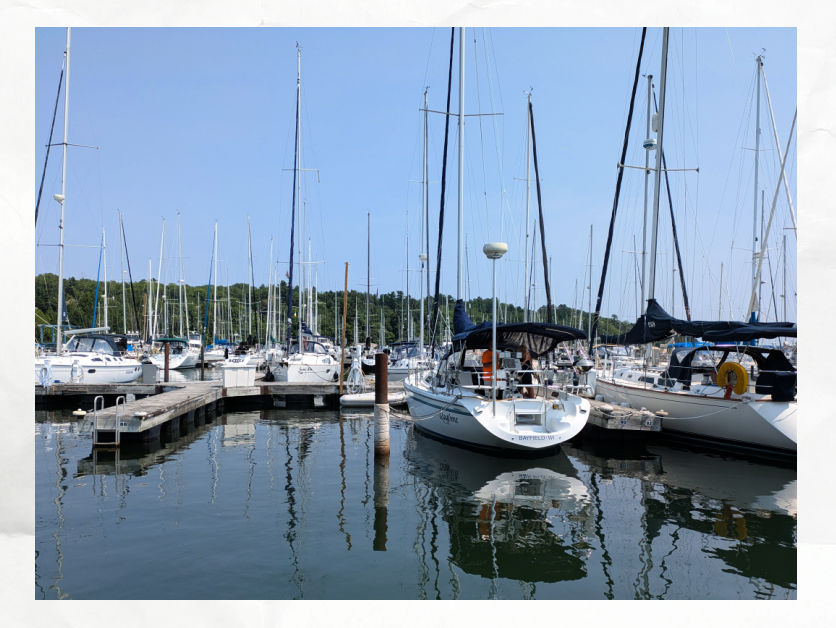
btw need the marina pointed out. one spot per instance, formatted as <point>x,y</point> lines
<point>240,416</point>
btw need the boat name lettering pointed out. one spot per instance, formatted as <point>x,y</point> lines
<point>535,437</point>
<point>448,417</point>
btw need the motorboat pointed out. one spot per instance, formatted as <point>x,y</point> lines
<point>89,358</point>
<point>178,353</point>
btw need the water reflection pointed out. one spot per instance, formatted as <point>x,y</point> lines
<point>742,512</point>
<point>301,498</point>
<point>514,518</point>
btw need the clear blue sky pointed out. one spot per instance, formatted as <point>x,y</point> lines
<point>201,122</point>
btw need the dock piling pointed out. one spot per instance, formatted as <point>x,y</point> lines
<point>167,357</point>
<point>381,405</point>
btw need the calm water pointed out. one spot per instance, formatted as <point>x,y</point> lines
<point>290,505</point>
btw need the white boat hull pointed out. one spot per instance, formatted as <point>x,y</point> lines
<point>752,423</point>
<point>468,419</point>
<point>85,368</point>
<point>308,369</point>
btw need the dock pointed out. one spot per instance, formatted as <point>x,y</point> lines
<point>605,416</point>
<point>138,412</point>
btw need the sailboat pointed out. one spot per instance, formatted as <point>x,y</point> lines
<point>308,361</point>
<point>732,392</point>
<point>481,403</point>
<point>89,357</point>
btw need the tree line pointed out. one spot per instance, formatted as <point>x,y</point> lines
<point>234,321</point>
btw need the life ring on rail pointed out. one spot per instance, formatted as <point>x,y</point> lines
<point>741,383</point>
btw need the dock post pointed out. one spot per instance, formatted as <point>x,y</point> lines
<point>381,405</point>
<point>381,502</point>
<point>167,355</point>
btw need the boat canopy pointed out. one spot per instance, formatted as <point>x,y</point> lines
<point>538,338</point>
<point>656,324</point>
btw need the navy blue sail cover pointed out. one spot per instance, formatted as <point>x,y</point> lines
<point>657,324</point>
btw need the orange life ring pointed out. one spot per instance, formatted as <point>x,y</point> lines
<point>742,379</point>
<point>487,366</point>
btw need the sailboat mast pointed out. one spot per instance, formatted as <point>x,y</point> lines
<point>408,309</point>
<point>589,286</point>
<point>122,274</point>
<point>250,286</point>
<point>368,265</point>
<point>424,220</point>
<point>149,303</point>
<point>180,287</point>
<point>297,165</point>
<point>658,179</point>
<point>61,200</point>
<point>784,282</point>
<point>159,274</point>
<point>648,148</point>
<point>104,259</point>
<point>758,62</point>
<point>527,205</point>
<point>269,296</point>
<point>459,276</point>
<point>215,288</point>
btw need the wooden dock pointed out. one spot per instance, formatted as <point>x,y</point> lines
<point>138,412</point>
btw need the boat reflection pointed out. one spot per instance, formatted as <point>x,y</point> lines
<point>746,512</point>
<point>513,518</point>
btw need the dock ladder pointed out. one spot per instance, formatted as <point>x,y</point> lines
<point>107,424</point>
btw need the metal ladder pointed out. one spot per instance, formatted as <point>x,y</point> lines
<point>104,425</point>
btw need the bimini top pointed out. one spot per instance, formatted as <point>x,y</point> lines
<point>538,338</point>
<point>657,324</point>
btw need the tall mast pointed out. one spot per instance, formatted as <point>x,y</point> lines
<point>424,221</point>
<point>269,296</point>
<point>159,275</point>
<point>784,283</point>
<point>104,256</point>
<point>459,276</point>
<point>589,286</point>
<point>527,204</point>
<point>368,266</point>
<point>250,286</point>
<point>215,288</point>
<point>149,303</point>
<point>759,62</point>
<point>408,309</point>
<point>61,200</point>
<point>311,322</point>
<point>122,274</point>
<point>648,148</point>
<point>297,165</point>
<point>657,180</point>
<point>180,287</point>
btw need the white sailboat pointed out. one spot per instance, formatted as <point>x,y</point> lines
<point>741,395</point>
<point>483,403</point>
<point>308,361</point>
<point>87,358</point>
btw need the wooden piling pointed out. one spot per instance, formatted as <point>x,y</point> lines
<point>381,405</point>
<point>167,357</point>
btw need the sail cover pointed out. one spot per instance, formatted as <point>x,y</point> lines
<point>657,324</point>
